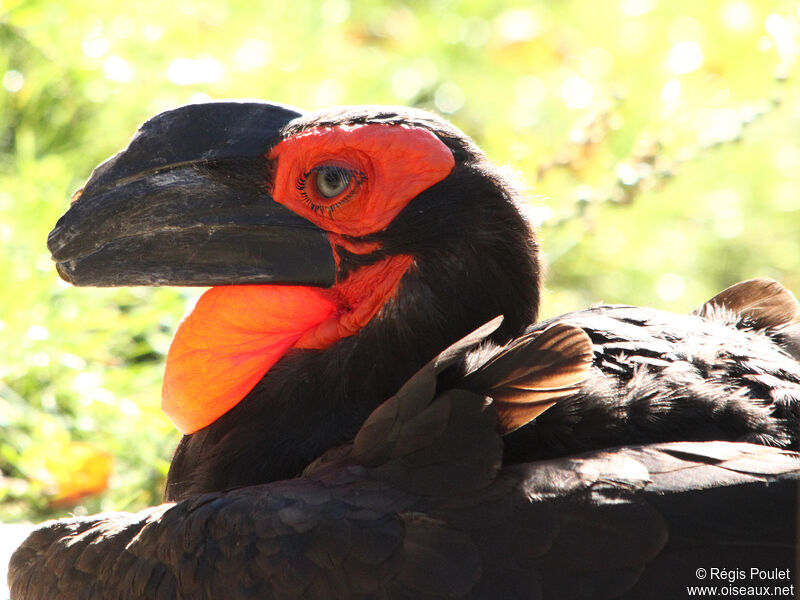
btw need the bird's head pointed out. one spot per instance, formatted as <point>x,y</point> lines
<point>313,227</point>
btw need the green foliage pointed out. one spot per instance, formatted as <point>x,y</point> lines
<point>660,142</point>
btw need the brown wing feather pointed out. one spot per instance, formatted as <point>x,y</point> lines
<point>764,301</point>
<point>766,304</point>
<point>527,376</point>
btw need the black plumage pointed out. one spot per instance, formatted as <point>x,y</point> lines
<point>662,377</point>
<point>421,506</point>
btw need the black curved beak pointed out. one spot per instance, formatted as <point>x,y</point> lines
<point>187,203</point>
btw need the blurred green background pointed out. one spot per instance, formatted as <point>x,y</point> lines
<point>658,143</point>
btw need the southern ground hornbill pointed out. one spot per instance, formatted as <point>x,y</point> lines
<point>612,452</point>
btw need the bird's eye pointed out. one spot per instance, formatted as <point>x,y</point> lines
<point>331,181</point>
<point>327,187</point>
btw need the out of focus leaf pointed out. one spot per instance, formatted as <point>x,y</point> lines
<point>73,471</point>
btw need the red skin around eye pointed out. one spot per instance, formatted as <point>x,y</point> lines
<point>398,161</point>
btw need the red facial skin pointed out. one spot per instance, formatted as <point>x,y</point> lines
<point>397,163</point>
<point>236,333</point>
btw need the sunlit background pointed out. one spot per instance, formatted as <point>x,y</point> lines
<point>657,141</point>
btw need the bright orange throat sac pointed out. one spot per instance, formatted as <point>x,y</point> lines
<point>235,334</point>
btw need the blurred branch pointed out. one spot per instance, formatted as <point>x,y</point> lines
<point>649,166</point>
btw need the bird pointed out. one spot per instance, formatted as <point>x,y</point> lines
<point>369,405</point>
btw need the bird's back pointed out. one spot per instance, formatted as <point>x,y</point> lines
<point>659,376</point>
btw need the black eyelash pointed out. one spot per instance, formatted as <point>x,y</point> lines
<point>358,179</point>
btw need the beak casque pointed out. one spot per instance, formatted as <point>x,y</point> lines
<point>188,203</point>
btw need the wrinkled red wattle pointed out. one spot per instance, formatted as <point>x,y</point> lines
<point>226,344</point>
<point>235,334</point>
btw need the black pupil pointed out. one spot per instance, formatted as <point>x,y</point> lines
<point>332,181</point>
